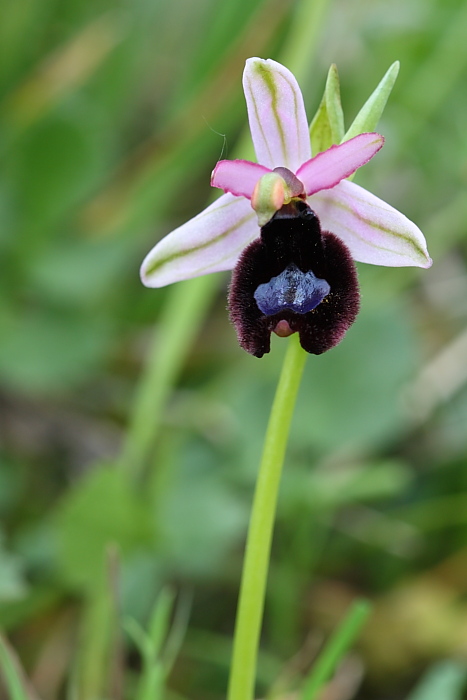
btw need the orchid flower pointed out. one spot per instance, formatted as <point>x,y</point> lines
<point>289,225</point>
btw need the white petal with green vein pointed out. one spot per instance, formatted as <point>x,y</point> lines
<point>210,242</point>
<point>374,231</point>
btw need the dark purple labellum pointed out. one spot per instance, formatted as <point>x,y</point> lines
<point>295,278</point>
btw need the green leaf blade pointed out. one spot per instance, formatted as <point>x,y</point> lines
<point>335,649</point>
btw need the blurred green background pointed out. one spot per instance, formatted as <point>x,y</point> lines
<point>112,117</point>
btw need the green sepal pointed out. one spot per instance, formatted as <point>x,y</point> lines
<point>368,117</point>
<point>327,126</point>
<point>333,104</point>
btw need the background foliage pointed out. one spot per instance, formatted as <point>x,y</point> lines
<point>112,116</point>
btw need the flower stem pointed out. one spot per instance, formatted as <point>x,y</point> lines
<point>258,546</point>
<point>184,312</point>
<point>304,37</point>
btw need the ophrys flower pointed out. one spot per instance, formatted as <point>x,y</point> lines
<point>309,284</point>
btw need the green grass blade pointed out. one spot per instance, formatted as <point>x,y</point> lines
<point>186,308</point>
<point>177,631</point>
<point>151,646</point>
<point>13,674</point>
<point>160,620</point>
<point>152,683</point>
<point>445,680</point>
<point>336,648</point>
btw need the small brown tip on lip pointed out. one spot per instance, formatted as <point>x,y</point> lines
<point>282,329</point>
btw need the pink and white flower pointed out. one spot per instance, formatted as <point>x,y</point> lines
<point>213,240</point>
<point>289,225</point>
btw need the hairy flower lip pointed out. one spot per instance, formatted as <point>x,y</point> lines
<point>374,231</point>
<point>295,278</point>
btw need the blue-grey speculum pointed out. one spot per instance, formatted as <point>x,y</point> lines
<point>293,289</point>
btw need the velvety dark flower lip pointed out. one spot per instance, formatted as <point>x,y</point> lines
<point>305,280</point>
<point>213,241</point>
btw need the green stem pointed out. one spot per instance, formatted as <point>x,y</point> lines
<point>183,314</point>
<point>303,38</point>
<point>258,546</point>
